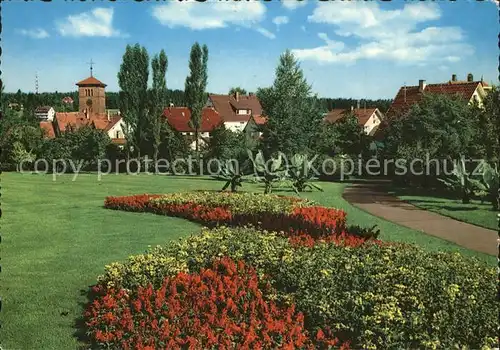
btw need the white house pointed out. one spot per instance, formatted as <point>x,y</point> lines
<point>45,113</point>
<point>235,110</point>
<point>369,118</point>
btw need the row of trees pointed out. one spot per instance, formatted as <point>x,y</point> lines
<point>458,137</point>
<point>294,126</point>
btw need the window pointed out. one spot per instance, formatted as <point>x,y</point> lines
<point>118,134</point>
<point>92,92</point>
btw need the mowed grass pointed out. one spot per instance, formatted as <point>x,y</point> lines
<point>57,238</point>
<point>476,213</point>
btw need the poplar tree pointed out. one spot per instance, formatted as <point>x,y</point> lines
<point>196,84</point>
<point>158,100</point>
<point>133,102</point>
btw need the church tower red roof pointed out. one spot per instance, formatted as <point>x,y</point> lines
<point>91,81</point>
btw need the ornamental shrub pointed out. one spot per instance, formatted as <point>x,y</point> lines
<point>262,250</point>
<point>394,296</point>
<point>382,295</point>
<point>289,215</point>
<point>219,307</point>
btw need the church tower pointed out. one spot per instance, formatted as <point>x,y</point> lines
<point>92,97</point>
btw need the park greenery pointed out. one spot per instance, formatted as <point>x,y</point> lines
<point>280,269</point>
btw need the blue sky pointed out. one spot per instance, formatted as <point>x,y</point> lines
<point>359,49</point>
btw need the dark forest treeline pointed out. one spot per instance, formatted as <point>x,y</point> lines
<point>54,99</point>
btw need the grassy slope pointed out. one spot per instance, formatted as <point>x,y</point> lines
<point>56,238</point>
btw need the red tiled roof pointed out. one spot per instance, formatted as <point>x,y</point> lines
<point>78,119</point>
<point>179,117</point>
<point>90,81</point>
<point>362,114</point>
<point>48,129</point>
<point>227,106</point>
<point>409,95</point>
<point>121,141</point>
<point>259,120</point>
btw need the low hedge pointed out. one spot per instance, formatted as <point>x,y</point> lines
<point>290,215</point>
<point>388,296</point>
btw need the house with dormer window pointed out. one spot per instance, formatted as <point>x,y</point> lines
<point>236,110</point>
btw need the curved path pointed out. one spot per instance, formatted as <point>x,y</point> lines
<point>373,198</point>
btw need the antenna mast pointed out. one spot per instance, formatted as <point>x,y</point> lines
<point>36,83</point>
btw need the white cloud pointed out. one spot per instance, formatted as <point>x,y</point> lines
<point>97,22</point>
<point>265,32</point>
<point>37,33</point>
<point>280,20</point>
<point>293,4</point>
<point>209,14</point>
<point>385,34</point>
<point>212,14</point>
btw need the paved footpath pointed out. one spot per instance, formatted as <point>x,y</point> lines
<point>374,199</point>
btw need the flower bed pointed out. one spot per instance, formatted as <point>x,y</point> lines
<point>372,296</point>
<point>220,306</point>
<point>300,220</point>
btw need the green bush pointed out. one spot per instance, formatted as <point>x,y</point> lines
<point>387,296</point>
<point>394,296</point>
<point>263,250</point>
<point>239,203</point>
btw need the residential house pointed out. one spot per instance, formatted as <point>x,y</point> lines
<point>179,119</point>
<point>67,100</point>
<point>469,89</point>
<point>235,110</point>
<point>45,113</point>
<point>252,129</point>
<point>369,118</point>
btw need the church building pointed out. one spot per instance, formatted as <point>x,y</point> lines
<point>92,111</point>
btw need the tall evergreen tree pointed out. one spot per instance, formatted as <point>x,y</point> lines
<point>196,84</point>
<point>158,100</point>
<point>294,116</point>
<point>133,82</point>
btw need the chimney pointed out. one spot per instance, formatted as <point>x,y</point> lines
<point>421,85</point>
<point>470,77</point>
<point>453,77</point>
<point>237,96</point>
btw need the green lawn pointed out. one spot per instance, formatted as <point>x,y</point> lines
<point>473,213</point>
<point>56,238</point>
